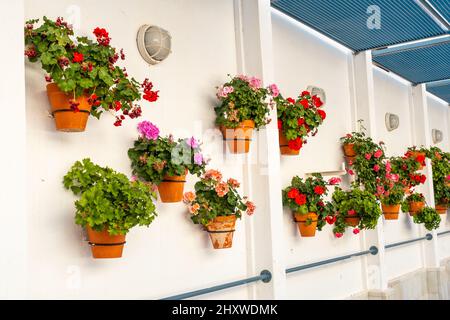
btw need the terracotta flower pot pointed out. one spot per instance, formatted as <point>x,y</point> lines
<point>66,119</point>
<point>284,145</point>
<point>105,246</point>
<point>441,208</point>
<point>171,188</point>
<point>352,221</point>
<point>221,231</point>
<point>390,212</point>
<point>306,230</point>
<point>349,150</point>
<point>415,207</point>
<point>238,139</point>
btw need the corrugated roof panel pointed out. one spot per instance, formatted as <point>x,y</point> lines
<point>419,64</point>
<point>443,7</point>
<point>440,90</point>
<point>346,21</point>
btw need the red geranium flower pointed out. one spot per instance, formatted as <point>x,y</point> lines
<point>317,101</point>
<point>338,235</point>
<point>78,57</point>
<point>306,93</point>
<point>305,103</point>
<point>151,96</point>
<point>295,144</point>
<point>420,159</point>
<point>322,114</point>
<point>355,231</point>
<point>300,121</point>
<point>423,178</point>
<point>330,219</point>
<point>293,193</point>
<point>319,190</point>
<point>290,100</point>
<point>118,105</point>
<point>280,124</point>
<point>300,199</point>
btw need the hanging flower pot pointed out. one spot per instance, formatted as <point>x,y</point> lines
<point>169,160</point>
<point>221,230</point>
<point>66,119</point>
<point>352,221</point>
<point>441,208</point>
<point>415,207</point>
<point>171,188</point>
<point>306,223</point>
<point>390,212</point>
<point>349,150</point>
<point>108,213</point>
<point>284,146</point>
<point>211,193</point>
<point>105,246</point>
<point>239,138</point>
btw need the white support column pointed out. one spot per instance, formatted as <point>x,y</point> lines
<point>13,162</point>
<point>254,50</point>
<point>422,137</point>
<point>365,109</point>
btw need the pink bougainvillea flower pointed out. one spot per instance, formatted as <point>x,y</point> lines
<point>148,130</point>
<point>192,142</point>
<point>134,178</point>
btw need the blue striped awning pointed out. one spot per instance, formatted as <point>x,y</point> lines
<point>346,21</point>
<point>443,7</point>
<point>421,62</point>
<point>440,89</point>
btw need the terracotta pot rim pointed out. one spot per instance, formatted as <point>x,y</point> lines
<point>229,218</point>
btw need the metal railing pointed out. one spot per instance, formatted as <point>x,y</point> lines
<point>443,233</point>
<point>428,236</point>
<point>265,276</point>
<point>372,250</point>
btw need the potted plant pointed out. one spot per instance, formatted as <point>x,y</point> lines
<point>216,204</point>
<point>392,199</point>
<point>109,206</point>
<point>440,162</point>
<point>354,208</point>
<point>243,106</point>
<point>368,162</point>
<point>164,161</point>
<point>82,75</point>
<point>413,203</point>
<point>406,167</point>
<point>297,119</point>
<point>429,217</point>
<point>306,199</point>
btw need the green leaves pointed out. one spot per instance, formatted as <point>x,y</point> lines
<point>108,199</point>
<point>429,217</point>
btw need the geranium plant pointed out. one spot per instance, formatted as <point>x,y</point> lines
<point>305,196</point>
<point>413,203</point>
<point>299,118</point>
<point>153,157</point>
<point>440,161</point>
<point>80,66</point>
<point>244,98</point>
<point>354,203</point>
<point>368,163</point>
<point>109,200</point>
<point>393,194</point>
<point>429,218</point>
<point>406,167</point>
<point>213,197</point>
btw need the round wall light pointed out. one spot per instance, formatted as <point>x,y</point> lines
<point>153,43</point>
<point>392,121</point>
<point>437,136</point>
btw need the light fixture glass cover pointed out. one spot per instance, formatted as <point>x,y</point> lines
<point>154,43</point>
<point>437,136</point>
<point>392,121</point>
